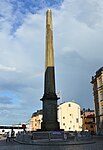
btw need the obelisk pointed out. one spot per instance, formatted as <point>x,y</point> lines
<point>49,99</point>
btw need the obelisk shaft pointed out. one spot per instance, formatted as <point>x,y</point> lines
<point>49,98</point>
<point>49,59</point>
<point>49,41</point>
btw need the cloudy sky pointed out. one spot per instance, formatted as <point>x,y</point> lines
<point>78,45</point>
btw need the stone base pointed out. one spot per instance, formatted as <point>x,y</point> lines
<point>50,126</point>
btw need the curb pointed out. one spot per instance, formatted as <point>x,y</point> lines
<point>56,143</point>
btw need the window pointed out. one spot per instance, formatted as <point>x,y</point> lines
<point>70,114</point>
<point>102,108</point>
<point>69,128</point>
<point>77,120</point>
<point>91,120</point>
<point>95,87</point>
<point>63,124</point>
<point>101,96</point>
<point>63,117</point>
<point>100,81</point>
<point>97,99</point>
<point>69,105</point>
<point>91,126</point>
<point>70,121</point>
<point>98,112</point>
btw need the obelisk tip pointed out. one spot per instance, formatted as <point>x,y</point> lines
<point>49,18</point>
<point>49,9</point>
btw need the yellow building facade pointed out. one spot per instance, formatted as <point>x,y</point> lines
<point>36,120</point>
<point>69,116</point>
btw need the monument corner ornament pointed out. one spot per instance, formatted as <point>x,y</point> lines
<point>49,99</point>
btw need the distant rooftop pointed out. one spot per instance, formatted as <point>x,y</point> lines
<point>101,69</point>
<point>38,112</point>
<point>88,110</point>
<point>98,73</point>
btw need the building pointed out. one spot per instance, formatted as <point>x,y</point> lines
<point>36,120</point>
<point>97,84</point>
<point>88,120</point>
<point>69,116</point>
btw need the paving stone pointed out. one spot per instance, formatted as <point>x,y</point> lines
<point>15,146</point>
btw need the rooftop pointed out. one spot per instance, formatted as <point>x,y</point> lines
<point>38,112</point>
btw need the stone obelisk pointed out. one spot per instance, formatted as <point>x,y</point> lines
<point>49,99</point>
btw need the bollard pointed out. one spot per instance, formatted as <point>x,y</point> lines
<point>65,136</point>
<point>49,135</point>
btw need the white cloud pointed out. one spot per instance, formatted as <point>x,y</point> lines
<point>6,68</point>
<point>86,11</point>
<point>76,34</point>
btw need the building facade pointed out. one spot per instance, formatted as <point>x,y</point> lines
<point>88,120</point>
<point>69,116</point>
<point>97,84</point>
<point>36,120</point>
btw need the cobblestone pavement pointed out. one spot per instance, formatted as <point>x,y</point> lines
<point>15,146</point>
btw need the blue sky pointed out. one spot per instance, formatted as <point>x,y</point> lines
<point>16,10</point>
<point>78,45</point>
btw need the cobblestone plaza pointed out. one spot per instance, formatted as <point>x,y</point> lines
<point>98,145</point>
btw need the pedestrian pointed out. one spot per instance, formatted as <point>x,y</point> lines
<point>8,137</point>
<point>12,134</point>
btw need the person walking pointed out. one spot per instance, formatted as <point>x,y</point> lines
<point>8,136</point>
<point>12,134</point>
